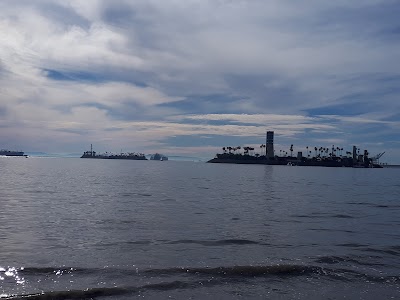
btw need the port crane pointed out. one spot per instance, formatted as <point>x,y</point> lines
<point>375,159</point>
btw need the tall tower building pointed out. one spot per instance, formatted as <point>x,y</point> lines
<point>354,153</point>
<point>270,144</point>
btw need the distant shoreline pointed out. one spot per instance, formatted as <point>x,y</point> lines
<point>172,158</point>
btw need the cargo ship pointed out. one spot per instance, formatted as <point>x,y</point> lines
<point>4,152</point>
<point>128,156</point>
<point>324,157</point>
<point>158,156</point>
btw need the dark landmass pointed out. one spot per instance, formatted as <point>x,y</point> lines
<point>294,161</point>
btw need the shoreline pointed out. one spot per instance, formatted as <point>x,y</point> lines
<point>290,161</point>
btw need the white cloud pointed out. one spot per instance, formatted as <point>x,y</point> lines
<point>280,57</point>
<point>261,119</point>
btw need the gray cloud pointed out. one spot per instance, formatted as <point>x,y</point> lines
<point>90,66</point>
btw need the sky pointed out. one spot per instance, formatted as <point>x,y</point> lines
<point>190,77</point>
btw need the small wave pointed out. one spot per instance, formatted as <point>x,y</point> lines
<point>113,221</point>
<point>331,230</point>
<point>232,271</point>
<point>191,278</point>
<point>216,242</point>
<point>358,203</point>
<point>62,270</point>
<point>338,259</point>
<point>224,271</point>
<point>126,194</point>
<point>76,294</point>
<point>104,292</point>
<point>135,194</point>
<point>375,205</point>
<point>392,206</point>
<point>342,216</point>
<point>102,244</point>
<point>144,194</point>
<point>41,192</point>
<point>308,216</point>
<point>352,245</point>
<point>281,271</point>
<point>331,259</point>
<point>392,250</point>
<point>247,271</point>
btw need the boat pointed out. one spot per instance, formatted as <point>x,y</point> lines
<point>4,152</point>
<point>158,156</point>
<point>127,156</point>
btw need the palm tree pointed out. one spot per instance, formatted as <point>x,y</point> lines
<point>291,150</point>
<point>315,148</point>
<point>251,149</point>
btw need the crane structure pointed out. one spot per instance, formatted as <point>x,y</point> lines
<point>375,159</point>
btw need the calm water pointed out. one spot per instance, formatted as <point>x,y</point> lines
<point>93,229</point>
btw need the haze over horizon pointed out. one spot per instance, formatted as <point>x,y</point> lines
<point>189,77</point>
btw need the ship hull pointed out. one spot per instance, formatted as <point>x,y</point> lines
<point>124,156</point>
<point>12,153</point>
<point>115,157</point>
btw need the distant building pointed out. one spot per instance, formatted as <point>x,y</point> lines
<point>270,144</point>
<point>299,155</point>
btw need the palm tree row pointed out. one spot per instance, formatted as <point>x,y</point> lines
<point>246,150</point>
<point>321,152</point>
<point>230,149</point>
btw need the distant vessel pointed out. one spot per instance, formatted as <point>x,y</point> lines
<point>4,152</point>
<point>129,156</point>
<point>158,156</point>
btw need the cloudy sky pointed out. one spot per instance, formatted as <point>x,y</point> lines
<point>187,77</point>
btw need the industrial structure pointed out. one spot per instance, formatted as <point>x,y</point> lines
<point>270,144</point>
<point>327,157</point>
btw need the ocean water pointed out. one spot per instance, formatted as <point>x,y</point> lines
<point>75,228</point>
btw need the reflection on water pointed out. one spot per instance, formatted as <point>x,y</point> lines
<point>11,273</point>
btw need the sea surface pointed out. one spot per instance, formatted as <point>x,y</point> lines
<point>75,228</point>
